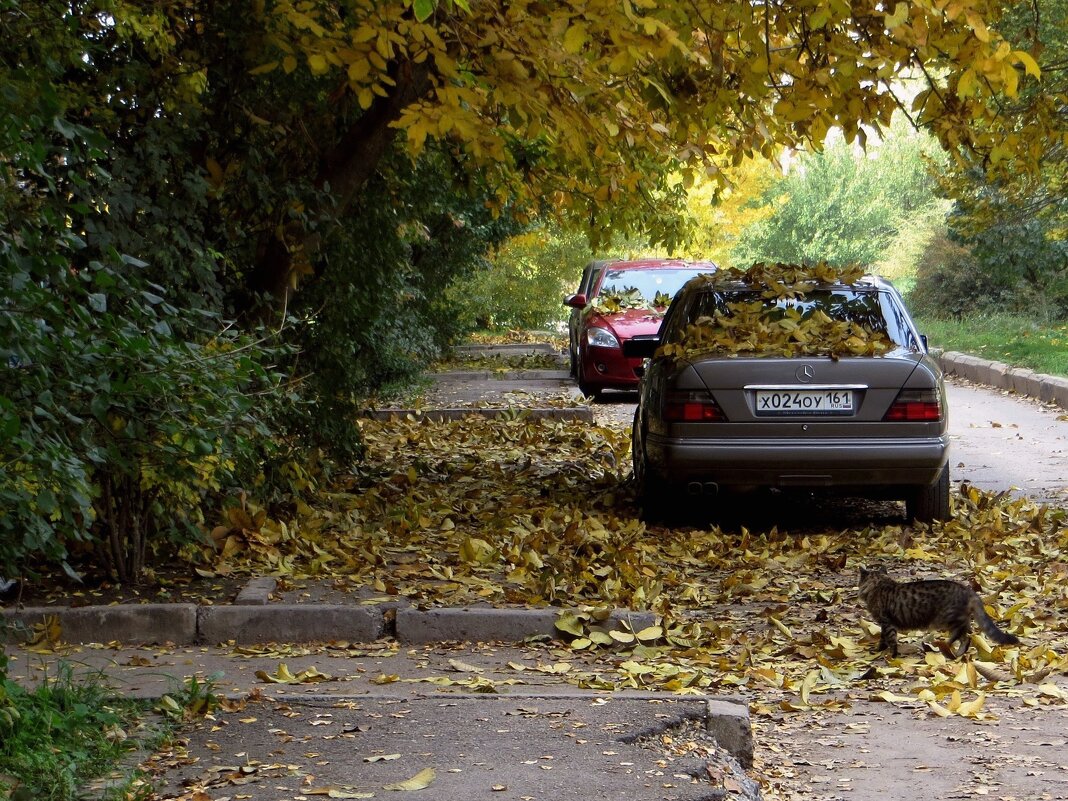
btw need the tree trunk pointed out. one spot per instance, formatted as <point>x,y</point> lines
<point>345,169</point>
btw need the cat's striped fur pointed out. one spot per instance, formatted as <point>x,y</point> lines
<point>927,604</point>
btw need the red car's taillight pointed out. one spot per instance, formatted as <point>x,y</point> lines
<point>691,407</point>
<point>915,406</point>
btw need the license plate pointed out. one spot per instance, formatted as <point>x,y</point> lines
<point>804,401</point>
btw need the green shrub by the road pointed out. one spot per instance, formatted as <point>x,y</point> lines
<point>524,281</point>
<point>120,412</point>
<point>1013,265</point>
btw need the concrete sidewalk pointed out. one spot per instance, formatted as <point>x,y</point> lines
<point>421,683</point>
<point>534,393</point>
<point>345,720</point>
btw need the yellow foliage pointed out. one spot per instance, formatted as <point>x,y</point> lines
<point>720,214</point>
<point>622,95</point>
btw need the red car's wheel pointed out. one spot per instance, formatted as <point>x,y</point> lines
<point>585,387</point>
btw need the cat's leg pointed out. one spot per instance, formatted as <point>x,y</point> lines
<point>962,634</point>
<point>888,639</point>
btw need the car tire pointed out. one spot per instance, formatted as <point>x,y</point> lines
<point>572,351</point>
<point>930,503</point>
<point>651,493</point>
<point>585,387</point>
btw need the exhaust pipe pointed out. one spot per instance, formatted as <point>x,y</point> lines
<point>709,489</point>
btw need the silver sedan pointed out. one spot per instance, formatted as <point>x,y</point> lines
<point>827,386</point>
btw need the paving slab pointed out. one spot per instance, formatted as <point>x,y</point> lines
<point>384,712</point>
<point>464,748</point>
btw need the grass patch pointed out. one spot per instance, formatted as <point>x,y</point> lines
<point>59,737</point>
<point>1012,339</point>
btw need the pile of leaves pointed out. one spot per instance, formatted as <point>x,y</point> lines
<point>631,298</point>
<point>766,326</point>
<point>534,513</point>
<point>512,336</point>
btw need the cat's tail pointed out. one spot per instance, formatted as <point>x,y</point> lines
<point>989,627</point>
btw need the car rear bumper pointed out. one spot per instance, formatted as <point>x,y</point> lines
<point>773,463</point>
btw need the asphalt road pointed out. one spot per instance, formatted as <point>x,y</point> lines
<point>1000,441</point>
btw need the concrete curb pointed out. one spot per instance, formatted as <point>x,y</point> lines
<point>486,624</point>
<point>252,620</point>
<point>296,623</point>
<point>505,375</point>
<point>1041,387</point>
<point>508,349</point>
<point>133,623</point>
<point>577,413</point>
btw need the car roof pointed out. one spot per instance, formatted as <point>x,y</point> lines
<point>657,264</point>
<point>870,282</point>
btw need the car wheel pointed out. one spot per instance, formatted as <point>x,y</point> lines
<point>930,503</point>
<point>651,493</point>
<point>585,387</point>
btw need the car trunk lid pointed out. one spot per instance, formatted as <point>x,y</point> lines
<point>751,389</point>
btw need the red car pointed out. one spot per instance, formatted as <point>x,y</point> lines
<point>616,301</point>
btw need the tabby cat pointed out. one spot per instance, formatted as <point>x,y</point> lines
<point>928,604</point>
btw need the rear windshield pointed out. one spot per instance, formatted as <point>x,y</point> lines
<point>649,285</point>
<point>744,321</point>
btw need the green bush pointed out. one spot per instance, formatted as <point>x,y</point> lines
<point>120,412</point>
<point>1011,265</point>
<point>386,302</point>
<point>524,281</point>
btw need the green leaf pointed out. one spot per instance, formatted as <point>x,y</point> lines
<point>423,9</point>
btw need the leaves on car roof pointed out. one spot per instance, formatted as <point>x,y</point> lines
<point>761,327</point>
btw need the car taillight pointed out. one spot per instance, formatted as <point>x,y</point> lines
<point>691,407</point>
<point>915,406</point>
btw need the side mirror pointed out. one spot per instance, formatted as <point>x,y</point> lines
<point>923,339</point>
<point>577,301</point>
<point>641,347</point>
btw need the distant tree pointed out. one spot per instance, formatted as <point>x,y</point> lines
<point>524,280</point>
<point>844,204</point>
